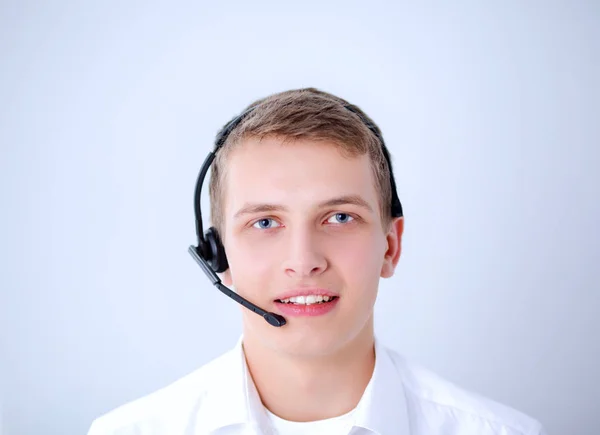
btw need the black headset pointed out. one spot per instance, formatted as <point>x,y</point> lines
<point>210,252</point>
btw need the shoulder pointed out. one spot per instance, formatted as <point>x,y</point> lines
<point>165,410</point>
<point>434,400</point>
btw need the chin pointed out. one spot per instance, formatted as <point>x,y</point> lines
<point>308,342</point>
<point>307,348</point>
<point>305,336</point>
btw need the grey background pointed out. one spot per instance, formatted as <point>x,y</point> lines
<point>107,110</point>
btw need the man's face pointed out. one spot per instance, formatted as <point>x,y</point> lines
<point>301,244</point>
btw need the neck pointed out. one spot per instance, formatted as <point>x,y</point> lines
<point>315,388</point>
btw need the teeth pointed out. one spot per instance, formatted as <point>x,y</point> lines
<point>307,300</point>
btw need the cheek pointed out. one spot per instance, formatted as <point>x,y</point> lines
<point>250,265</point>
<point>350,258</point>
<point>361,260</point>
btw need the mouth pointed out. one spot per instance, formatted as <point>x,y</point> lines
<point>308,300</point>
<point>307,303</point>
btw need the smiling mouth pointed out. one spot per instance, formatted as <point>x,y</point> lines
<point>307,300</point>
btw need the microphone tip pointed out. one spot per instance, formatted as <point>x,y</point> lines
<point>274,319</point>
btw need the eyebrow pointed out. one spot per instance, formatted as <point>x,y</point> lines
<point>250,208</point>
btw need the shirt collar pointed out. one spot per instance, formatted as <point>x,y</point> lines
<point>383,408</point>
<point>232,398</point>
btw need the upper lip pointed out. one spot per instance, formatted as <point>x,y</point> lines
<point>306,292</point>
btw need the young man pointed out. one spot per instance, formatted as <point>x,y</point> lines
<point>304,203</point>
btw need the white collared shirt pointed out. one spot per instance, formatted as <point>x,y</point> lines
<point>402,398</point>
<point>341,424</point>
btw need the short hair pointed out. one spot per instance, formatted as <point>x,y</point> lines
<point>305,114</point>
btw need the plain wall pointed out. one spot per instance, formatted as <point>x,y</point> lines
<point>108,109</point>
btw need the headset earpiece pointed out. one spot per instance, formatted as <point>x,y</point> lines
<point>215,255</point>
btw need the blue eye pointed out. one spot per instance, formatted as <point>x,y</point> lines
<point>263,224</point>
<point>268,223</point>
<point>342,218</point>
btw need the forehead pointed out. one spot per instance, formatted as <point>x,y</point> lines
<point>297,174</point>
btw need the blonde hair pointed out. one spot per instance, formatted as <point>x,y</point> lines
<point>305,114</point>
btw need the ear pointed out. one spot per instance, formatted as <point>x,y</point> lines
<point>394,247</point>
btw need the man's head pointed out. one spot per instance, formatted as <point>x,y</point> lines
<point>301,197</point>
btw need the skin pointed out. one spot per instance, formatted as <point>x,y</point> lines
<point>312,368</point>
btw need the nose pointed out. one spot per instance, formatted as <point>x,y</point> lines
<point>305,256</point>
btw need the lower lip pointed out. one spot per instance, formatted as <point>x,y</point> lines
<point>298,310</point>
